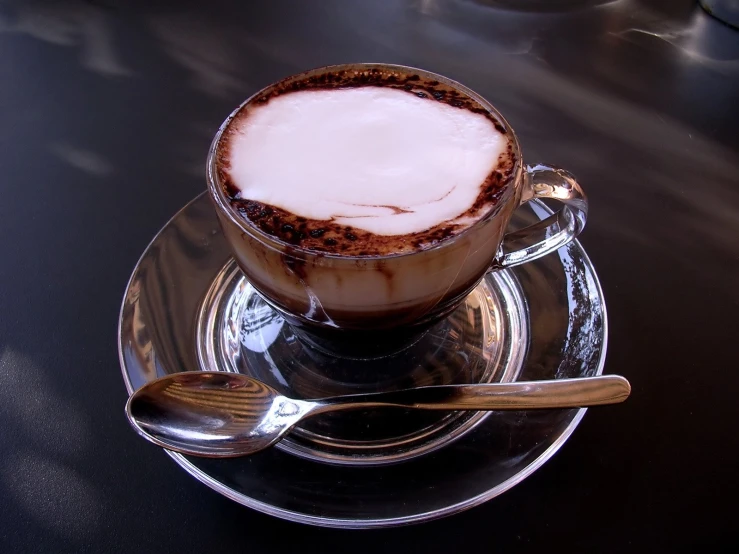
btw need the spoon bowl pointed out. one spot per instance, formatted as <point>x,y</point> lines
<point>213,414</point>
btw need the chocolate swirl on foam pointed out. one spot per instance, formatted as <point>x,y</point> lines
<point>329,237</point>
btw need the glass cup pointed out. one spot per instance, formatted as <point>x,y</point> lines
<point>371,306</point>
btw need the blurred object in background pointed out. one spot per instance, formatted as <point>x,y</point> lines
<point>543,5</point>
<point>724,10</point>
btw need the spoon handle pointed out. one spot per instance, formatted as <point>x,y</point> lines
<point>557,393</point>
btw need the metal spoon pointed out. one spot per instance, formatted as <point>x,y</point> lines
<point>223,415</point>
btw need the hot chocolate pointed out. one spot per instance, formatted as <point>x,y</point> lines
<point>364,164</point>
<point>365,201</point>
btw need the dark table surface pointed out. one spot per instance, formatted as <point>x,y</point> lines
<point>106,112</point>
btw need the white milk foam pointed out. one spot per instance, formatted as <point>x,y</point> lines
<point>378,159</point>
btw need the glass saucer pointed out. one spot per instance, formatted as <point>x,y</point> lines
<point>189,308</point>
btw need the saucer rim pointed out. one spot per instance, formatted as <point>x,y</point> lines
<point>344,523</point>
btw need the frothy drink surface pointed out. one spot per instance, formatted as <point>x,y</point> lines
<point>367,170</point>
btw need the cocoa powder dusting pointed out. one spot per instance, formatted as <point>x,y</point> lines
<point>332,238</point>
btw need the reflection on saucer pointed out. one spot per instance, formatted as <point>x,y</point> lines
<point>260,327</point>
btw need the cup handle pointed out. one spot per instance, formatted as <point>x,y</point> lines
<point>539,239</point>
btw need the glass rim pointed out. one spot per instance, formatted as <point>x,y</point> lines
<point>223,204</point>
